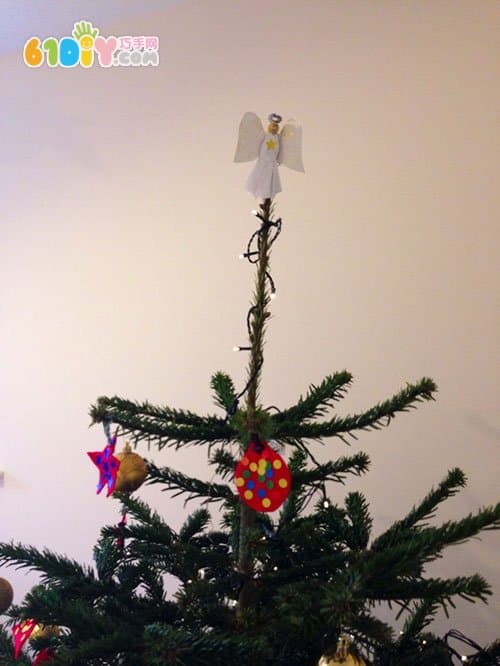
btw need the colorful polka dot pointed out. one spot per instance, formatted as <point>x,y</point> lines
<point>240,481</point>
<point>269,473</point>
<point>277,464</point>
<point>248,494</point>
<point>266,503</point>
<point>262,478</point>
<point>246,474</point>
<point>270,485</point>
<point>250,485</point>
<point>245,461</point>
<point>261,492</point>
<point>283,483</point>
<point>253,467</point>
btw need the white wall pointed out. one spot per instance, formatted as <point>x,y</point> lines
<point>123,216</point>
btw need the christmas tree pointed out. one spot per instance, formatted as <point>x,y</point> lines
<point>287,576</point>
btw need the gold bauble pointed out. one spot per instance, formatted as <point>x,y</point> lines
<point>45,631</point>
<point>343,655</point>
<point>132,471</point>
<point>348,660</point>
<point>6,595</point>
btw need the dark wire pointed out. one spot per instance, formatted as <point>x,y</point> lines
<point>252,255</point>
<point>458,636</point>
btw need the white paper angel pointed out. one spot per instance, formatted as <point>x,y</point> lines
<point>270,149</point>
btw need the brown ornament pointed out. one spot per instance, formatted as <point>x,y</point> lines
<point>6,595</point>
<point>132,471</point>
<point>45,631</point>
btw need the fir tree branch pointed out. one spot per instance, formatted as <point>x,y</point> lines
<point>469,588</point>
<point>106,408</point>
<point>143,513</point>
<point>371,419</point>
<point>420,546</point>
<point>194,524</point>
<point>224,461</point>
<point>180,647</point>
<point>334,470</point>
<point>140,427</point>
<point>421,616</point>
<point>454,480</point>
<point>173,480</point>
<point>225,393</point>
<point>54,569</point>
<point>317,400</point>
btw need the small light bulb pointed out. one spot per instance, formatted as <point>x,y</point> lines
<point>236,349</point>
<point>255,212</point>
<point>464,658</point>
<point>424,642</point>
<point>241,256</point>
<point>189,581</point>
<point>273,294</point>
<point>326,504</point>
<point>275,568</point>
<point>401,633</point>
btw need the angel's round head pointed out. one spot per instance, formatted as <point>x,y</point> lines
<point>274,123</point>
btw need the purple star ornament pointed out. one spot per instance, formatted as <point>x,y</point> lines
<point>107,464</point>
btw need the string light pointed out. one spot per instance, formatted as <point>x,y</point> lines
<point>271,229</point>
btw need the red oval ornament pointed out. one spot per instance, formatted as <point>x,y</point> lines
<point>262,478</point>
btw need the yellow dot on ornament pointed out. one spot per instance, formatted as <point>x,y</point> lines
<point>248,494</point>
<point>253,467</point>
<point>277,464</point>
<point>283,483</point>
<point>240,481</point>
<point>266,502</point>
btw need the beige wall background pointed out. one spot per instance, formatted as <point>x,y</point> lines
<point>123,217</point>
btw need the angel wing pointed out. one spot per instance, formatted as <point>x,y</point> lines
<point>291,146</point>
<point>250,137</point>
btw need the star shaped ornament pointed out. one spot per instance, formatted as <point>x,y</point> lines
<point>107,465</point>
<point>21,632</point>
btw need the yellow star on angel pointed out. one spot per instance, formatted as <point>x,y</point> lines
<point>270,144</point>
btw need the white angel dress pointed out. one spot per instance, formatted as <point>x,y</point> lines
<point>264,179</point>
<point>270,150</point>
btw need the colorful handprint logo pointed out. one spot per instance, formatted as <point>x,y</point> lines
<point>86,46</point>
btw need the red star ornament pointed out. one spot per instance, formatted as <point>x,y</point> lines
<point>262,477</point>
<point>21,632</point>
<point>107,464</point>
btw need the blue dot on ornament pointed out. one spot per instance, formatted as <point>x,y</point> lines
<point>251,485</point>
<point>261,492</point>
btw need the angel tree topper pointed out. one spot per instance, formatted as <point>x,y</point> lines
<point>270,149</point>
